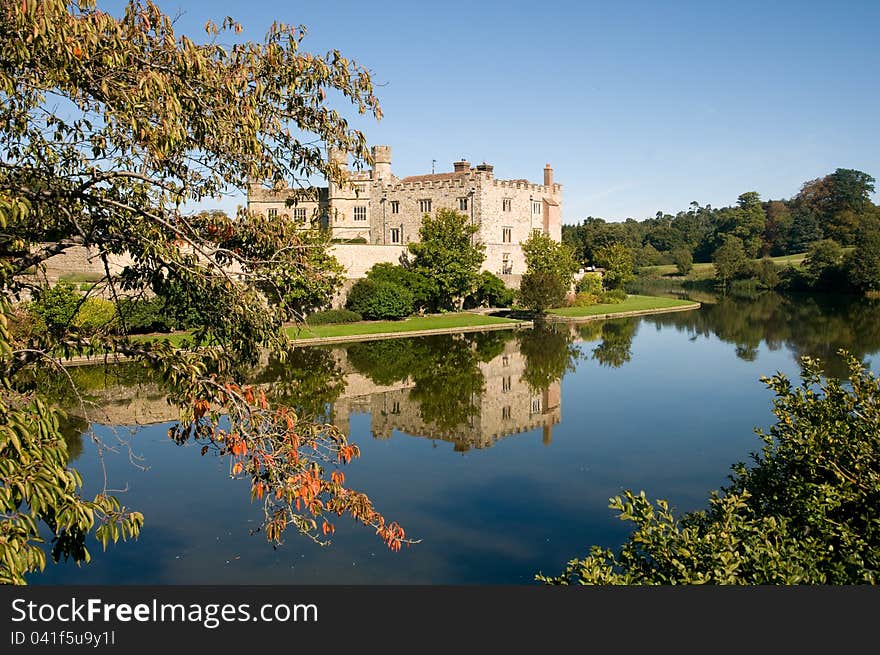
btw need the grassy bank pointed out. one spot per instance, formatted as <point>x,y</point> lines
<point>412,324</point>
<point>633,303</point>
<point>705,271</point>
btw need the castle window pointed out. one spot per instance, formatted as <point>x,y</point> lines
<point>272,212</point>
<point>505,360</point>
<point>395,206</point>
<point>299,214</point>
<point>506,233</point>
<point>506,266</point>
<point>395,407</point>
<point>463,204</point>
<point>425,206</point>
<point>506,204</point>
<point>505,413</point>
<point>394,235</point>
<point>506,383</point>
<point>536,206</point>
<point>360,213</point>
<point>536,405</point>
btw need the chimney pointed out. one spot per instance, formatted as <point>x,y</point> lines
<point>462,166</point>
<point>548,175</point>
<point>485,168</point>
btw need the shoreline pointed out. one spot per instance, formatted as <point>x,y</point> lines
<point>405,334</point>
<point>555,318</point>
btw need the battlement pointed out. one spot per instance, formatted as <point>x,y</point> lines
<point>458,182</point>
<point>258,193</point>
<point>473,179</point>
<point>523,184</point>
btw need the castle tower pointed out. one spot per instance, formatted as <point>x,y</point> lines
<point>382,163</point>
<point>340,158</point>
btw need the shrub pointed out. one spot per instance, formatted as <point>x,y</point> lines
<point>768,273</point>
<point>613,297</point>
<point>804,512</point>
<point>141,316</point>
<point>491,292</point>
<point>584,299</point>
<point>541,290</point>
<point>375,300</point>
<point>24,324</point>
<point>423,290</point>
<point>96,315</point>
<point>56,306</point>
<point>590,283</point>
<point>333,316</point>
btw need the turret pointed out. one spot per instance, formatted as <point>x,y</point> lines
<point>382,163</point>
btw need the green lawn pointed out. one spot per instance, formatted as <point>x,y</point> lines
<point>631,304</point>
<point>415,323</point>
<point>411,324</point>
<point>707,270</point>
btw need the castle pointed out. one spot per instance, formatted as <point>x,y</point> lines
<point>376,207</point>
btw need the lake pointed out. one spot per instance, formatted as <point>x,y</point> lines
<point>498,450</point>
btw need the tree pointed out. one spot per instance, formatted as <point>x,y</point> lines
<point>541,290</point>
<point>805,512</point>
<point>448,254</point>
<point>683,260</point>
<point>544,254</point>
<point>729,259</point>
<point>838,202</point>
<point>862,265</point>
<point>823,261</point>
<point>108,128</point>
<point>617,260</point>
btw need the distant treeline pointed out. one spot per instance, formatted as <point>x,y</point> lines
<point>837,207</point>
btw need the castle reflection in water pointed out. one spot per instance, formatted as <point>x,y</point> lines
<point>507,406</point>
<point>456,391</point>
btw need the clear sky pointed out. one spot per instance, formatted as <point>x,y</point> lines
<point>638,106</point>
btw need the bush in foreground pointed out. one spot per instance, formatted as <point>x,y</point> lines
<point>806,512</point>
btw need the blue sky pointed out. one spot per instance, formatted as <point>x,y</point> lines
<point>638,106</point>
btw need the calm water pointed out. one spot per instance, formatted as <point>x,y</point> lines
<point>499,451</point>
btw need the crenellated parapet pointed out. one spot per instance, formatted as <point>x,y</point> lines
<point>526,185</point>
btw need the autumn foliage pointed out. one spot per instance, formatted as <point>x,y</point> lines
<point>287,460</point>
<point>109,127</point>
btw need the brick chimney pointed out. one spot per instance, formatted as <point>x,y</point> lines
<point>548,175</point>
<point>462,166</point>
